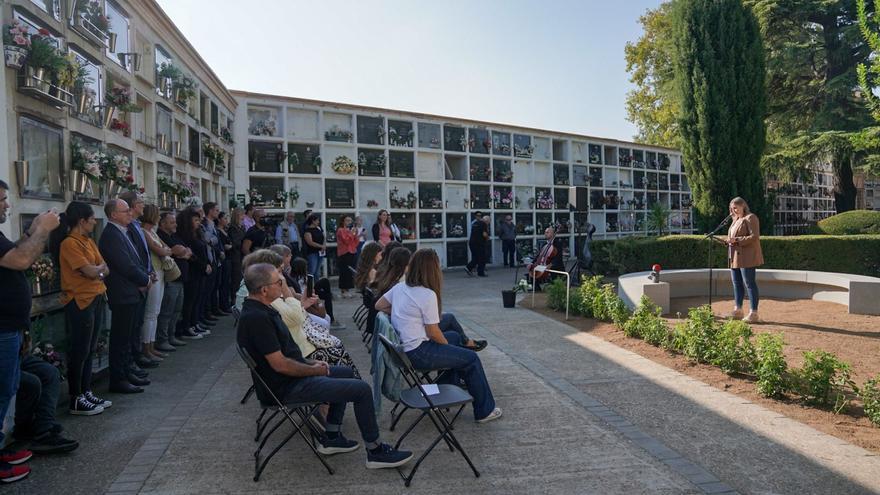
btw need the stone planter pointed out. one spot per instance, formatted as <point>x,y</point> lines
<point>14,56</point>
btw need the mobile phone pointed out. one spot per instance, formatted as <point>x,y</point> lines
<point>310,285</point>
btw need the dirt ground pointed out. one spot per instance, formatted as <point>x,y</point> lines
<point>805,325</point>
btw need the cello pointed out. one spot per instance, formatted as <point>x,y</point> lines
<point>545,259</point>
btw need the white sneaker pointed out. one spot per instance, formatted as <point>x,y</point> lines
<point>495,414</point>
<point>752,317</point>
<point>736,314</point>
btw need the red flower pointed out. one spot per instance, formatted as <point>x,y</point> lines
<point>129,179</point>
<point>141,190</point>
<point>44,32</point>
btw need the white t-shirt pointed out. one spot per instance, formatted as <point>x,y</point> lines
<point>411,309</point>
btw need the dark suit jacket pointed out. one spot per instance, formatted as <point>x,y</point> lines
<point>127,271</point>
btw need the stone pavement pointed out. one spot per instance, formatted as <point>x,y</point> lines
<point>580,416</point>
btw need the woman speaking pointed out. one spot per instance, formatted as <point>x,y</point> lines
<point>744,256</point>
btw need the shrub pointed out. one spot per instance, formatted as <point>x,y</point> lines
<point>770,365</point>
<point>734,351</point>
<point>615,308</point>
<point>821,376</point>
<point>858,254</point>
<point>588,290</point>
<point>556,294</point>
<point>646,323</point>
<point>870,395</point>
<point>698,335</point>
<point>850,223</point>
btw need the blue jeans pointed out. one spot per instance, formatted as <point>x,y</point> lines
<point>338,389</point>
<point>315,261</point>
<point>448,323</point>
<point>10,372</point>
<point>172,307</point>
<point>462,363</point>
<point>738,274</point>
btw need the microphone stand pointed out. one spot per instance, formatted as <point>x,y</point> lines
<point>712,239</point>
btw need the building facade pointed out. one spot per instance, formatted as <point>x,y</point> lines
<point>433,172</point>
<point>104,96</point>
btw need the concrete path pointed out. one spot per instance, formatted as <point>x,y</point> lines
<point>580,416</point>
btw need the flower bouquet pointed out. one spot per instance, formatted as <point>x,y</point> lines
<point>344,165</point>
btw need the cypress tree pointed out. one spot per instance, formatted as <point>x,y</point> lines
<point>718,60</point>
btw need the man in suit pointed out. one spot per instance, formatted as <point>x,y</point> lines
<point>136,203</point>
<point>127,285</point>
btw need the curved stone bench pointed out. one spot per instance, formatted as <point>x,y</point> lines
<point>859,293</point>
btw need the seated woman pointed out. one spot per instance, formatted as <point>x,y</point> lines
<point>414,306</point>
<point>313,339</point>
<point>299,268</point>
<point>393,271</point>
<point>368,261</point>
<point>317,311</point>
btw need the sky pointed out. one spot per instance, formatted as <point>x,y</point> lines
<point>552,64</point>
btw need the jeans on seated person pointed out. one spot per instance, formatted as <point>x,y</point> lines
<point>462,363</point>
<point>448,323</point>
<point>338,389</point>
<point>37,397</point>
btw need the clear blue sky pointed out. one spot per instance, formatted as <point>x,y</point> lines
<point>551,64</point>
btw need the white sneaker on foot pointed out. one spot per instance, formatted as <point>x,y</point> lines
<point>495,414</point>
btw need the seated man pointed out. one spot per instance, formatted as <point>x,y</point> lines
<point>35,406</point>
<point>293,378</point>
<point>550,257</point>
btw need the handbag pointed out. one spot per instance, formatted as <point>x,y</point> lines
<point>170,268</point>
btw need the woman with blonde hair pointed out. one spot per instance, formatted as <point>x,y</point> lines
<point>159,251</point>
<point>415,306</point>
<point>744,255</point>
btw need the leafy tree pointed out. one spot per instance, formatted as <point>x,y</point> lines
<point>718,59</point>
<point>652,106</point>
<point>658,218</point>
<point>815,114</point>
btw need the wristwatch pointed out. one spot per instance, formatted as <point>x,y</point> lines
<point>101,275</point>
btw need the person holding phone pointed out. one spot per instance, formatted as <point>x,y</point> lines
<point>315,248</point>
<point>346,247</point>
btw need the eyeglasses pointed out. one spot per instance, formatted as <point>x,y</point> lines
<point>277,282</point>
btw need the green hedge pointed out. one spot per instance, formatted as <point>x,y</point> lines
<point>850,223</point>
<point>857,254</point>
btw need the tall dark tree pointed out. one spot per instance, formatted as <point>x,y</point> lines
<point>815,111</point>
<point>718,59</point>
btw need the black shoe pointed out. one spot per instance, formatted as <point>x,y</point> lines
<point>469,271</point>
<point>80,406</point>
<point>482,275</point>
<point>210,318</point>
<point>206,324</point>
<point>191,334</point>
<point>139,373</point>
<point>385,456</point>
<point>337,445</point>
<point>125,388</point>
<point>146,363</point>
<point>140,382</point>
<point>176,342</point>
<point>94,399</point>
<point>479,345</point>
<point>52,443</point>
<point>134,368</point>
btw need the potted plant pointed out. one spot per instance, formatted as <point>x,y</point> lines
<point>16,44</point>
<point>508,297</point>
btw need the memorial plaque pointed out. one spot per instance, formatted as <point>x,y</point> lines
<point>303,158</point>
<point>370,130</point>
<point>264,157</point>
<point>401,164</point>
<point>339,193</point>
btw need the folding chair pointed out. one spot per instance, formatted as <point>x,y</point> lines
<point>268,400</point>
<point>369,301</point>
<point>431,406</point>
<point>236,314</point>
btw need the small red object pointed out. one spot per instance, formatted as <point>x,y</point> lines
<point>655,267</point>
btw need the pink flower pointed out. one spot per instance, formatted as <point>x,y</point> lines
<point>21,40</point>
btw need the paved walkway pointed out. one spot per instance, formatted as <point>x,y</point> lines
<point>580,416</point>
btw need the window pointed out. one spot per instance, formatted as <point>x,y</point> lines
<point>215,118</point>
<point>163,84</point>
<point>92,90</point>
<point>51,7</point>
<point>42,156</point>
<point>119,24</point>
<point>163,130</point>
<point>33,27</point>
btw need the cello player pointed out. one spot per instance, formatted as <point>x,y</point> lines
<point>549,256</point>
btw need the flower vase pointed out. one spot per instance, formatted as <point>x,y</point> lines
<point>14,56</point>
<point>78,182</point>
<point>508,298</point>
<point>37,287</point>
<point>113,188</point>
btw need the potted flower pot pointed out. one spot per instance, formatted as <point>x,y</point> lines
<point>14,56</point>
<point>508,298</point>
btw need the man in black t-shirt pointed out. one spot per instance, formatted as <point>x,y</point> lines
<point>292,378</point>
<point>477,246</point>
<point>15,316</point>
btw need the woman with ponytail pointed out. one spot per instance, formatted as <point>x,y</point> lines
<point>83,294</point>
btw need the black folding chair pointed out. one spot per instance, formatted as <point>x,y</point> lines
<point>268,400</point>
<point>431,406</point>
<point>236,314</point>
<point>369,302</point>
